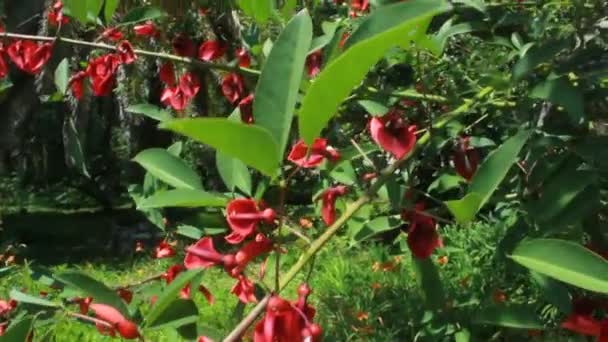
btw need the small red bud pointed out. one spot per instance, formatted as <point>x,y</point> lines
<point>269,215</point>
<point>127,329</point>
<point>229,260</point>
<point>304,290</point>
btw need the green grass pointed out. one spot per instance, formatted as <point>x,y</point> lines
<point>356,301</point>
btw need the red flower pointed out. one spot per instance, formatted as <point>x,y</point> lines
<point>393,135</point>
<point>115,322</point>
<point>422,237</point>
<point>83,304</point>
<point>112,33</point>
<point>29,56</point>
<point>147,29</point>
<point>212,50</point>
<point>3,326</point>
<point>184,46</point>
<point>244,58</point>
<point>466,159</point>
<point>125,52</point>
<point>329,196</point>
<point>319,151</point>
<point>76,83</point>
<point>260,245</point>
<point>246,109</point>
<point>203,254</point>
<point>343,39</point>
<point>102,70</point>
<point>180,96</point>
<point>233,87</point>
<point>3,65</point>
<point>358,7</point>
<point>125,294</point>
<point>243,217</point>
<point>55,16</point>
<point>204,339</point>
<point>286,322</point>
<point>244,289</point>
<point>172,273</point>
<point>163,250</point>
<point>582,320</point>
<point>167,74</point>
<point>7,307</point>
<point>208,295</point>
<point>313,63</point>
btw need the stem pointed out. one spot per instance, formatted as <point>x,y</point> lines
<point>166,56</point>
<point>89,319</point>
<point>239,330</point>
<point>141,282</point>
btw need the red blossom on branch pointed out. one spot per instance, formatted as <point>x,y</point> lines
<point>179,96</point>
<point>116,322</point>
<point>392,134</point>
<point>184,46</point>
<point>29,56</point>
<point>422,237</point>
<point>329,196</point>
<point>56,16</point>
<point>243,216</point>
<point>167,74</point>
<point>125,52</point>
<point>466,159</point>
<point>112,34</point>
<point>233,87</point>
<point>204,255</point>
<point>313,63</point>
<point>212,50</point>
<point>244,57</point>
<point>76,83</point>
<point>246,109</point>
<point>319,151</point>
<point>102,71</point>
<point>358,7</point>
<point>147,29</point>
<point>163,250</point>
<point>244,289</point>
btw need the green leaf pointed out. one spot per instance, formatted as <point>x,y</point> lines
<point>234,173</point>
<point>18,331</point>
<point>91,287</point>
<point>476,4</point>
<point>376,226</point>
<point>76,9</point>
<point>182,198</point>
<point>246,6</point>
<point>62,76</point>
<point>110,9</point>
<point>151,111</point>
<point>446,182</point>
<point>462,336</point>
<point>464,209</point>
<point>560,191</point>
<point>561,92</point>
<point>93,9</point>
<point>429,283</point>
<point>277,90</point>
<point>289,8</point>
<point>251,144</point>
<point>21,297</point>
<point>516,316</point>
<point>178,313</point>
<point>168,168</point>
<point>537,55</point>
<point>176,148</point>
<point>73,148</point>
<point>141,14</point>
<point>386,27</point>
<point>565,261</point>
<point>262,9</point>
<point>496,166</point>
<point>169,295</point>
<point>373,108</point>
<point>554,292</point>
<point>344,173</point>
<point>190,232</point>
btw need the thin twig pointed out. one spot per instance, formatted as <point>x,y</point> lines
<point>363,154</point>
<point>141,282</point>
<point>240,329</point>
<point>178,59</point>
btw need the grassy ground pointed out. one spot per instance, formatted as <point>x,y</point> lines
<point>362,293</point>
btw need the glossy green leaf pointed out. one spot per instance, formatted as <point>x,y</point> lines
<point>388,26</point>
<point>62,76</point>
<point>73,148</point>
<point>537,55</point>
<point>277,90</point>
<point>289,7</point>
<point>178,313</point>
<point>262,10</point>
<point>561,92</point>
<point>18,331</point>
<point>190,232</point>
<point>464,209</point>
<point>93,9</point>
<point>91,287</point>
<point>373,108</point>
<point>76,9</point>
<point>25,298</point>
<point>344,173</point>
<point>141,14</point>
<point>110,9</point>
<point>234,173</point>
<point>151,111</point>
<point>554,292</point>
<point>182,198</point>
<point>429,283</point>
<point>496,166</point>
<point>168,168</point>
<point>376,226</point>
<point>170,295</point>
<point>565,261</point>
<point>246,6</point>
<point>446,182</point>
<point>519,317</point>
<point>462,336</point>
<point>252,144</point>
<point>476,4</point>
<point>176,148</point>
